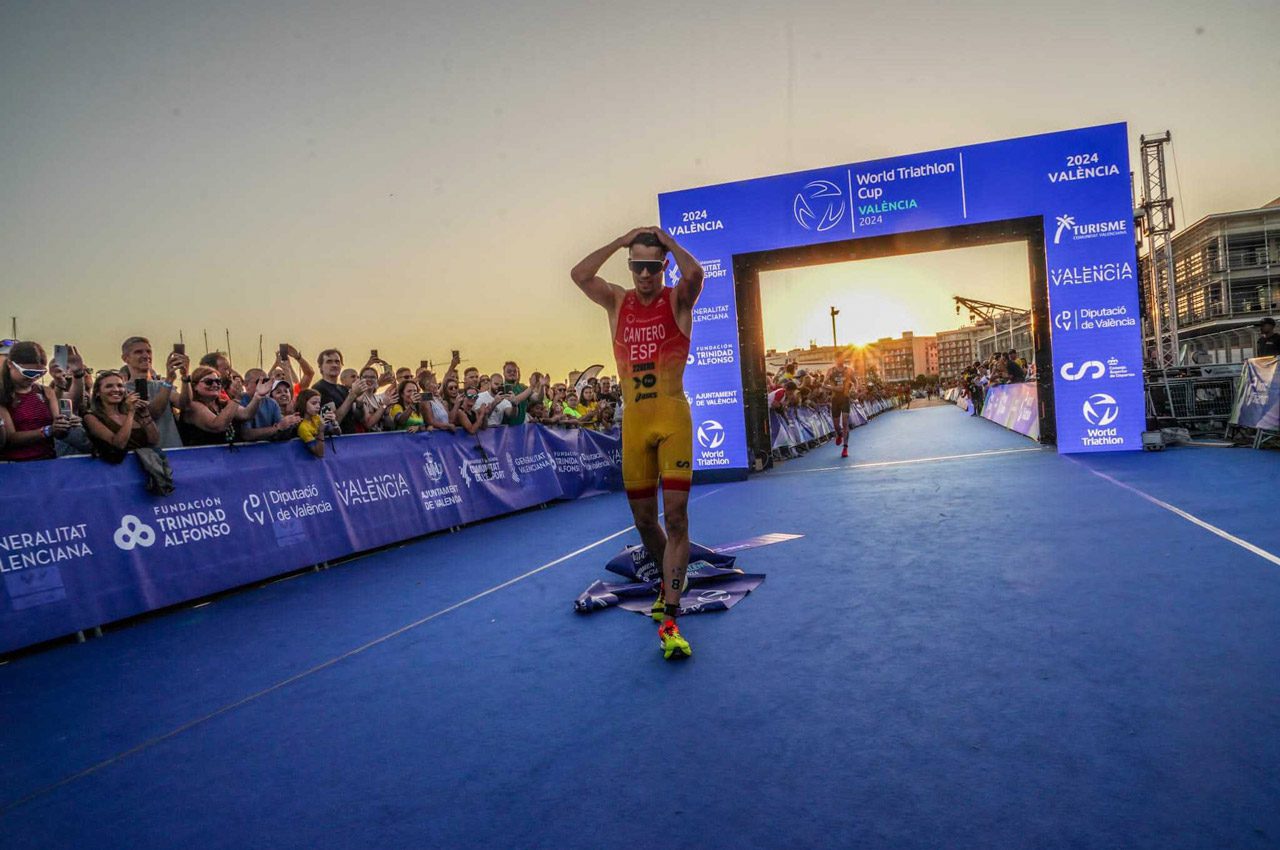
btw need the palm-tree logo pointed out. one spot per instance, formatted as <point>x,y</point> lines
<point>1064,221</point>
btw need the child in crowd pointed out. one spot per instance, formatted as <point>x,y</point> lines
<point>311,428</point>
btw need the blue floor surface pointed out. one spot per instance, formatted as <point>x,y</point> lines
<point>993,648</point>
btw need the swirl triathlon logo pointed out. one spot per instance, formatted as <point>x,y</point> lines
<point>132,533</point>
<point>819,205</point>
<point>710,434</point>
<point>1100,409</point>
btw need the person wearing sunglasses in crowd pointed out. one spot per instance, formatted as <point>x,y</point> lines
<point>370,407</point>
<point>650,326</point>
<point>118,419</point>
<point>467,415</point>
<point>30,419</point>
<point>210,419</point>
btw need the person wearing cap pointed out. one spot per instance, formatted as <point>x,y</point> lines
<point>269,422</point>
<point>1268,344</point>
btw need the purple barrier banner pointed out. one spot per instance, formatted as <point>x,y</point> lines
<point>1015,406</point>
<point>1258,398</point>
<point>82,543</point>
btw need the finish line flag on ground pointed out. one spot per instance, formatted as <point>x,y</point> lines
<point>715,583</point>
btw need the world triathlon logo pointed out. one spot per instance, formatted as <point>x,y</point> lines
<point>710,434</point>
<point>819,205</point>
<point>1100,409</point>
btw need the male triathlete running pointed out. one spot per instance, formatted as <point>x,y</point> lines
<point>840,380</point>
<point>650,326</point>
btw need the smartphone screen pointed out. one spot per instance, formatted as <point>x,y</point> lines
<point>140,387</point>
<point>64,406</point>
<point>284,352</point>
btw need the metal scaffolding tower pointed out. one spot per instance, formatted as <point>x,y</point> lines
<point>1157,224</point>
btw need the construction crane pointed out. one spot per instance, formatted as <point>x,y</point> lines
<point>992,313</point>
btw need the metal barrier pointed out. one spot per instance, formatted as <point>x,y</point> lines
<point>1198,398</point>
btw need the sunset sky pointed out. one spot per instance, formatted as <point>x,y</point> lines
<point>418,177</point>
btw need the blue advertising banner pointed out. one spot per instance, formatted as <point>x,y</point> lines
<point>99,548</point>
<point>1015,406</point>
<point>1077,181</point>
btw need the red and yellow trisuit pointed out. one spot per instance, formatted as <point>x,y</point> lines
<point>657,430</point>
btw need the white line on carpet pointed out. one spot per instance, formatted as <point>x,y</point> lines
<point>317,668</point>
<point>1195,520</point>
<point>884,463</point>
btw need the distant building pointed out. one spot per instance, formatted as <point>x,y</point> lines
<point>958,349</point>
<point>1227,279</point>
<point>904,358</point>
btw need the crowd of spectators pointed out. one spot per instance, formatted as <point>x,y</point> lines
<point>1003,367</point>
<point>791,388</point>
<point>53,406</point>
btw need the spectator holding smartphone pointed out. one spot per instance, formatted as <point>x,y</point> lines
<point>517,393</point>
<point>434,410</point>
<point>210,419</point>
<point>29,412</point>
<point>370,408</point>
<point>332,391</point>
<point>466,416</point>
<point>118,421</point>
<point>137,355</point>
<point>69,382</point>
<point>311,428</point>
<point>491,398</point>
<point>406,413</point>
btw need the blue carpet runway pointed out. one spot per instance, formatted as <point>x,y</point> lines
<point>977,643</point>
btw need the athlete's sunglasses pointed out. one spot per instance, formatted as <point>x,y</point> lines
<point>650,266</point>
<point>31,374</point>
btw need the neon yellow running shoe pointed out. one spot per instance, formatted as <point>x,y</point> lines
<point>673,643</point>
<point>659,609</point>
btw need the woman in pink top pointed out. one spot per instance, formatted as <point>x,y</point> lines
<point>29,417</point>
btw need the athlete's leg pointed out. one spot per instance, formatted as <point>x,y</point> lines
<point>640,479</point>
<point>645,512</point>
<point>675,561</point>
